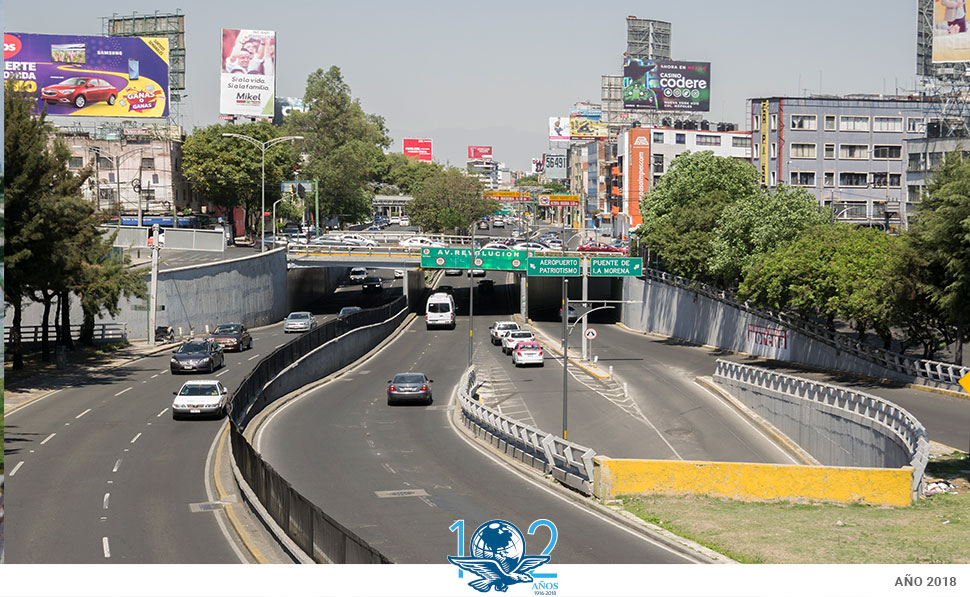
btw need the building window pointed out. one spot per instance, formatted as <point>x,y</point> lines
<point>887,124</point>
<point>656,180</point>
<point>76,162</point>
<point>887,152</point>
<point>853,152</point>
<point>756,122</point>
<point>708,139</point>
<point>828,179</point>
<point>915,125</point>
<point>658,163</point>
<point>774,150</point>
<point>774,178</point>
<point>830,151</point>
<point>148,163</point>
<point>935,159</point>
<point>105,164</point>
<point>803,179</point>
<point>111,176</point>
<point>830,122</point>
<point>740,141</point>
<point>757,151</point>
<point>915,162</point>
<point>912,194</point>
<point>774,122</point>
<point>803,150</point>
<point>681,138</point>
<point>879,180</point>
<point>154,178</point>
<point>804,122</point>
<point>853,179</point>
<point>854,123</point>
<point>658,137</point>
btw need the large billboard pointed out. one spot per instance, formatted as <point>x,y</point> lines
<point>285,105</point>
<point>667,85</point>
<point>951,40</point>
<point>248,80</point>
<point>418,148</point>
<point>87,75</point>
<point>585,124</point>
<point>479,152</point>
<point>558,128</point>
<point>554,165</point>
<point>636,171</point>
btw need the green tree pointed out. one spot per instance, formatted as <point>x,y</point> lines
<point>448,200</point>
<point>527,181</point>
<point>103,278</point>
<point>406,173</point>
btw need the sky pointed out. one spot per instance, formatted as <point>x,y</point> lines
<point>469,73</point>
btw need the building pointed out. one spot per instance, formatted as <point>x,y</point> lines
<point>646,40</point>
<point>491,174</point>
<point>847,151</point>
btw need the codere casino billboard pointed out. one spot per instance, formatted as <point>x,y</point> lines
<point>667,85</point>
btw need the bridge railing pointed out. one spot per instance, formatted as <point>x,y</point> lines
<point>103,332</point>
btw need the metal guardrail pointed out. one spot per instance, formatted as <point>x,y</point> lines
<point>102,332</point>
<point>573,461</point>
<point>935,371</point>
<point>881,412</point>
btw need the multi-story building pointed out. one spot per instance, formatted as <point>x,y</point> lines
<point>487,171</point>
<point>847,151</point>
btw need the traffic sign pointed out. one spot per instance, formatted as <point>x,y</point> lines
<point>590,334</point>
<point>554,266</point>
<point>487,259</point>
<point>615,266</point>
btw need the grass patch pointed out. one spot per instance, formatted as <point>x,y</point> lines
<point>935,530</point>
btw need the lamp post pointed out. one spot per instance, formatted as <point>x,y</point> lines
<point>274,223</point>
<point>117,161</point>
<point>263,146</point>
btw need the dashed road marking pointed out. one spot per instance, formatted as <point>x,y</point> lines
<point>16,468</point>
<point>123,391</point>
<point>162,412</point>
<point>255,356</point>
<point>82,414</point>
<point>105,547</point>
<point>104,502</point>
<point>135,439</point>
<point>48,438</point>
<point>117,466</point>
<point>223,372</point>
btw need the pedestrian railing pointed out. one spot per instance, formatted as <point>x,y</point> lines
<point>103,332</point>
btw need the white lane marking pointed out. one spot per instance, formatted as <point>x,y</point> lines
<point>144,381</point>
<point>163,371</point>
<point>135,439</point>
<point>388,468</point>
<point>82,414</point>
<point>104,502</point>
<point>224,371</point>
<point>123,391</point>
<point>428,501</point>
<point>16,468</point>
<point>154,376</point>
<point>278,345</point>
<point>105,547</point>
<point>48,438</point>
<point>117,466</point>
<point>211,495</point>
<point>162,412</point>
<point>255,356</point>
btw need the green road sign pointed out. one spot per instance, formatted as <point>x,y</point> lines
<point>554,266</point>
<point>487,259</point>
<point>616,266</point>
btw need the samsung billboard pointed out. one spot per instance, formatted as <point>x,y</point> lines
<point>667,85</point>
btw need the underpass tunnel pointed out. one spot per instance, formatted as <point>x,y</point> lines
<point>324,290</point>
<point>545,297</point>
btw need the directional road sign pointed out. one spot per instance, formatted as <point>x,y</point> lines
<point>616,266</point>
<point>554,266</point>
<point>487,259</point>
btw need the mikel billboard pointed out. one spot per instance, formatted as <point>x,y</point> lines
<point>479,152</point>
<point>88,75</point>
<point>419,149</point>
<point>667,85</point>
<point>248,80</point>
<point>951,40</point>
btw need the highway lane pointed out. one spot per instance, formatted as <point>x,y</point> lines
<point>104,475</point>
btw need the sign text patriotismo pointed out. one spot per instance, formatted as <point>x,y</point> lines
<point>487,259</point>
<point>554,266</point>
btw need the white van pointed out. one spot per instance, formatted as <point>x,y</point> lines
<point>440,310</point>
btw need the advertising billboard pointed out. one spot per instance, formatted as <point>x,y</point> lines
<point>248,80</point>
<point>585,124</point>
<point>88,75</point>
<point>418,148</point>
<point>951,40</point>
<point>554,165</point>
<point>667,85</point>
<point>479,152</point>
<point>765,114</point>
<point>636,172</point>
<point>558,128</point>
<point>285,105</point>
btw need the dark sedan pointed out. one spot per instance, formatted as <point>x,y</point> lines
<point>197,355</point>
<point>372,284</point>
<point>232,336</point>
<point>409,387</point>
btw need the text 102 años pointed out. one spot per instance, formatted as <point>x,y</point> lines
<point>930,581</point>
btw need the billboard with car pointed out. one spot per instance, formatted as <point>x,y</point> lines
<point>248,79</point>
<point>666,85</point>
<point>419,149</point>
<point>89,75</point>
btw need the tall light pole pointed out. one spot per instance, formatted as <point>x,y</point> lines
<point>117,161</point>
<point>274,222</point>
<point>263,146</point>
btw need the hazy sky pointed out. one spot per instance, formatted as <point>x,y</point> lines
<point>492,73</point>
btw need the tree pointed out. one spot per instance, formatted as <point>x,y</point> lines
<point>525,181</point>
<point>345,145</point>
<point>406,173</point>
<point>448,200</point>
<point>103,279</point>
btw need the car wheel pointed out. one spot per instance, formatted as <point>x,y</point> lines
<point>79,101</point>
<point>212,366</point>
<point>111,99</point>
<point>430,400</point>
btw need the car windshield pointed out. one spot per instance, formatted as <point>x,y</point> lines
<point>508,326</point>
<point>190,347</point>
<point>299,316</point>
<point>372,279</point>
<point>439,308</point>
<point>359,271</point>
<point>199,390</point>
<point>528,346</point>
<point>408,378</point>
<point>520,334</point>
<point>228,329</point>
<point>75,81</point>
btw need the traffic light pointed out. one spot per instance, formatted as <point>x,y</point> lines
<point>300,191</point>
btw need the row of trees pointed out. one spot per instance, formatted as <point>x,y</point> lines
<point>53,248</point>
<point>708,219</point>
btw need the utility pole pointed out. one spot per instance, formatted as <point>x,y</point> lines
<point>153,290</point>
<point>585,265</point>
<point>316,200</point>
<point>471,299</point>
<point>565,351</point>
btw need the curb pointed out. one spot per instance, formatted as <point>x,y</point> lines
<point>558,350</point>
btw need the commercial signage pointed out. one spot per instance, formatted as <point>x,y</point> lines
<point>419,149</point>
<point>585,124</point>
<point>537,166</point>
<point>554,266</point>
<point>666,85</point>
<point>765,114</point>
<point>951,38</point>
<point>487,259</point>
<point>615,266</point>
<point>87,75</point>
<point>559,200</point>
<point>554,166</point>
<point>282,107</point>
<point>636,171</point>
<point>248,80</point>
<point>558,128</point>
<point>508,196</point>
<point>479,152</point>
<point>768,341</point>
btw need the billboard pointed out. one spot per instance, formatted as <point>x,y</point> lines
<point>479,152</point>
<point>667,85</point>
<point>585,124</point>
<point>248,80</point>
<point>554,165</point>
<point>951,40</point>
<point>765,115</point>
<point>284,105</point>
<point>636,172</point>
<point>418,148</point>
<point>89,75</point>
<point>558,128</point>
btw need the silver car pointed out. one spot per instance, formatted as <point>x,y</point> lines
<point>409,387</point>
<point>299,321</point>
<point>201,397</point>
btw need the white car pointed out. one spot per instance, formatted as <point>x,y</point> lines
<point>440,310</point>
<point>532,246</point>
<point>405,221</point>
<point>398,273</point>
<point>497,223</point>
<point>396,220</point>
<point>362,241</point>
<point>357,274</point>
<point>421,241</point>
<point>527,353</point>
<point>299,321</point>
<point>497,330</point>
<point>498,246</point>
<point>201,397</point>
<point>514,337</point>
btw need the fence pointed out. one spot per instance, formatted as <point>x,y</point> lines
<point>103,332</point>
<point>316,533</point>
<point>136,237</point>
<point>921,369</point>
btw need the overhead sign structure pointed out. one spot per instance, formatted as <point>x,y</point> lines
<point>420,149</point>
<point>247,85</point>
<point>508,196</point>
<point>667,85</point>
<point>487,259</point>
<point>554,266</point>
<point>559,200</point>
<point>615,266</point>
<point>297,188</point>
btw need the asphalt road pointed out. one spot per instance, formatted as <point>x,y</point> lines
<point>100,473</point>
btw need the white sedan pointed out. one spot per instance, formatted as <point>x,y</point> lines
<point>359,240</point>
<point>532,246</point>
<point>527,353</point>
<point>498,246</point>
<point>514,337</point>
<point>201,397</point>
<point>421,241</point>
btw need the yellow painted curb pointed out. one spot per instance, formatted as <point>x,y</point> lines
<point>229,509</point>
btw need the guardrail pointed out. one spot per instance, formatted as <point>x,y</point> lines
<point>570,463</point>
<point>935,371</point>
<point>880,413</point>
<point>103,332</point>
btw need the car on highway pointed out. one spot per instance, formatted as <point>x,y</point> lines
<point>498,223</point>
<point>440,311</point>
<point>357,275</point>
<point>292,228</point>
<point>409,387</point>
<point>372,284</point>
<point>499,329</point>
<point>373,229</point>
<point>514,337</point>
<point>572,314</point>
<point>453,271</point>
<point>299,321</point>
<point>598,247</point>
<point>359,240</point>
<point>486,286</point>
<point>421,241</point>
<point>201,397</point>
<point>527,353</point>
<point>80,91</point>
<point>533,246</point>
<point>478,273</point>
<point>398,273</point>
<point>498,246</point>
<point>446,288</point>
<point>405,221</point>
<point>329,243</point>
<point>232,336</point>
<point>347,311</point>
<point>482,225</point>
<point>197,355</point>
<point>395,220</point>
<point>554,243</point>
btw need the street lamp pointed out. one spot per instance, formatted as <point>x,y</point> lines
<point>274,223</point>
<point>263,146</point>
<point>117,161</point>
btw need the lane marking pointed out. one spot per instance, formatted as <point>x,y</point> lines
<point>135,439</point>
<point>388,468</point>
<point>123,391</point>
<point>163,371</point>
<point>154,376</point>
<point>210,474</point>
<point>104,502</point>
<point>48,438</point>
<point>255,356</point>
<point>82,414</point>
<point>223,372</point>
<point>162,412</point>
<point>16,468</point>
<point>105,547</point>
<point>278,345</point>
<point>117,466</point>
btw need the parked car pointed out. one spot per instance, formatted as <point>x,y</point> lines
<point>80,91</point>
<point>409,387</point>
<point>299,321</point>
<point>527,353</point>
<point>201,397</point>
<point>372,284</point>
<point>197,355</point>
<point>347,311</point>
<point>514,337</point>
<point>499,329</point>
<point>598,247</point>
<point>164,334</point>
<point>357,275</point>
<point>232,335</point>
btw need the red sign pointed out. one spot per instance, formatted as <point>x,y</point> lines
<point>479,152</point>
<point>418,148</point>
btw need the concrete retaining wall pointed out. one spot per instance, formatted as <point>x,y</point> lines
<point>305,285</point>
